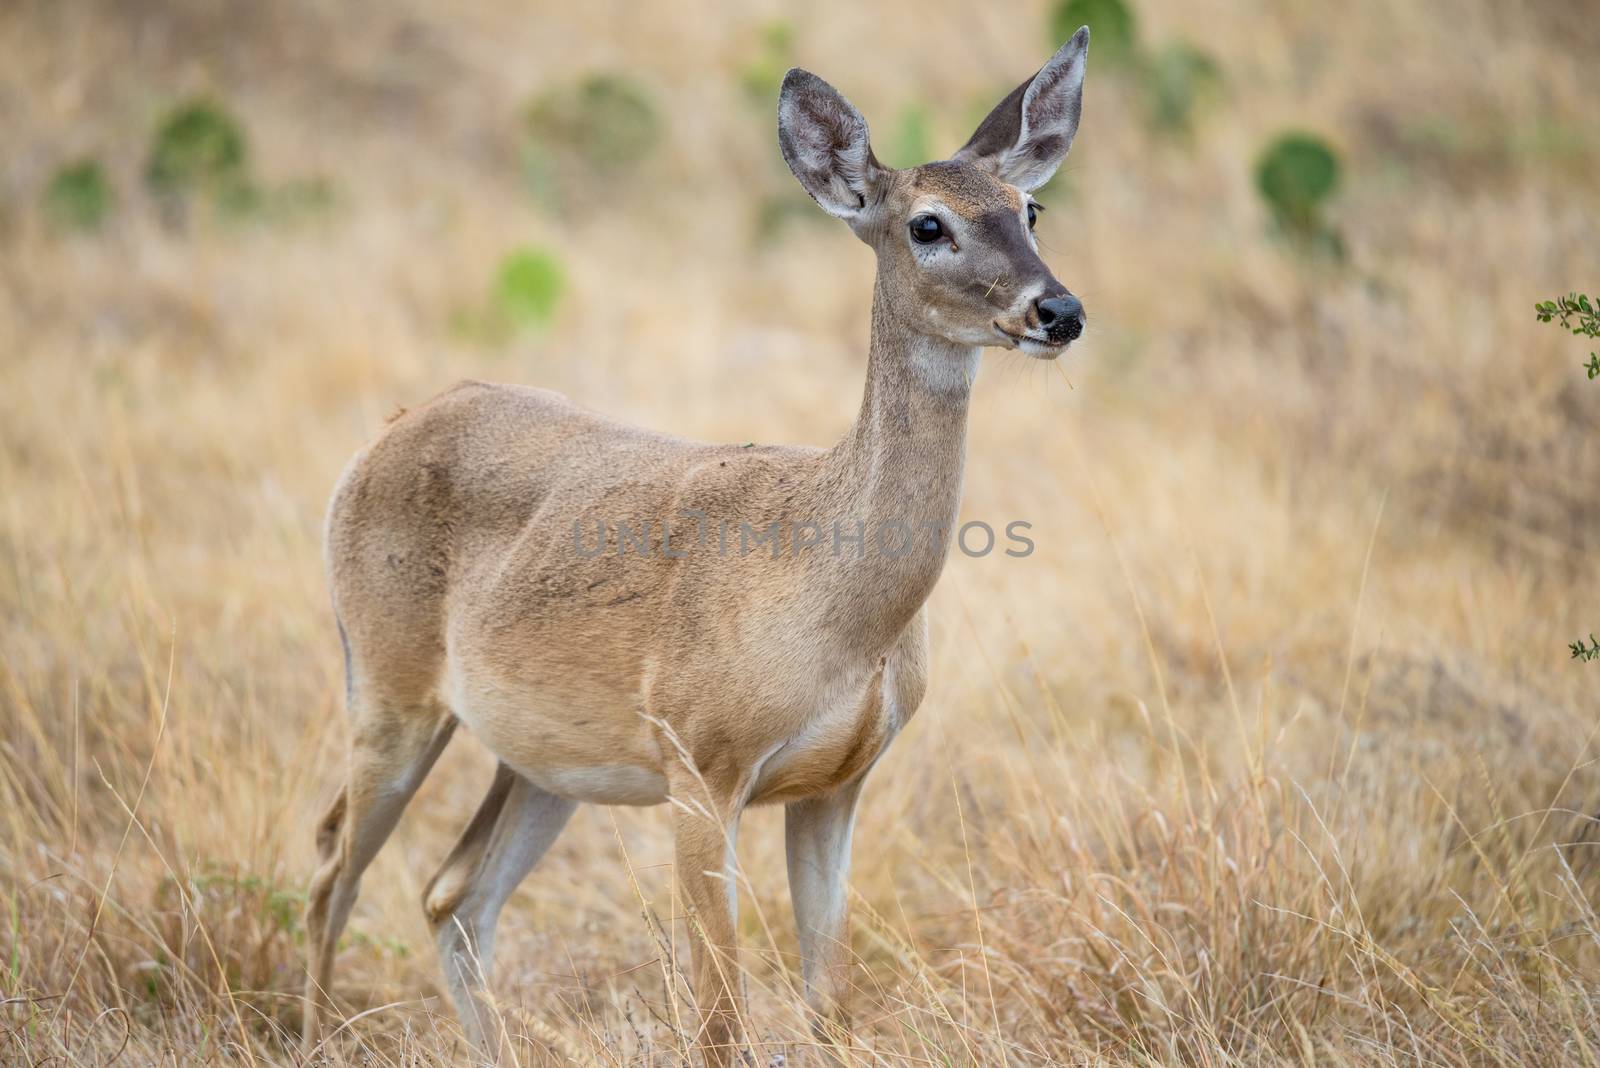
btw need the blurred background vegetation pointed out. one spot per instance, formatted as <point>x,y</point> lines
<point>1316,482</point>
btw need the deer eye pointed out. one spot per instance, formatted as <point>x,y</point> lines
<point>925,230</point>
<point>1033,214</point>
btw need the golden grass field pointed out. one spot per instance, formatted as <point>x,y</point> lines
<point>1272,752</point>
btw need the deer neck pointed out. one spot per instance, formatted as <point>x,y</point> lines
<point>899,471</point>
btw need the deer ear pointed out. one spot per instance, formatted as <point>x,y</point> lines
<point>824,141</point>
<point>1027,135</point>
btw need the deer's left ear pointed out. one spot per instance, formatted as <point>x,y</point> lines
<point>1027,135</point>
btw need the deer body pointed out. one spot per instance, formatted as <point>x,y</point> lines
<point>559,662</point>
<point>472,585</point>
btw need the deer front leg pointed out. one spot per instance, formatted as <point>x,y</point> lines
<point>704,839</point>
<point>817,834</point>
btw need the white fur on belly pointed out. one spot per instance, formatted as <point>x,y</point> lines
<point>613,784</point>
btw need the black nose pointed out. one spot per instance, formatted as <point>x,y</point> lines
<point>1061,317</point>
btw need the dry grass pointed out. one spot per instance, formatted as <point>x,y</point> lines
<point>1270,754</point>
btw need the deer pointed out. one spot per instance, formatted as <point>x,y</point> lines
<point>687,669</point>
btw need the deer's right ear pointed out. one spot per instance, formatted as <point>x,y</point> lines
<point>824,141</point>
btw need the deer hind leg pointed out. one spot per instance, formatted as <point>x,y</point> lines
<point>512,829</point>
<point>391,753</point>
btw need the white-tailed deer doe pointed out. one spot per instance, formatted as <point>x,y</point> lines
<point>476,581</point>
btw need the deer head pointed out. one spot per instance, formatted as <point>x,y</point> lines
<point>957,258</point>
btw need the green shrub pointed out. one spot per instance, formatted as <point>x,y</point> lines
<point>523,296</point>
<point>774,212</point>
<point>291,202</point>
<point>200,152</point>
<point>540,176</point>
<point>198,146</point>
<point>1563,311</point>
<point>1111,25</point>
<point>762,76</point>
<point>910,141</point>
<point>605,120</point>
<point>1295,176</point>
<point>1175,80</point>
<point>1180,80</point>
<point>302,198</point>
<point>1587,313</point>
<point>78,196</point>
<point>528,287</point>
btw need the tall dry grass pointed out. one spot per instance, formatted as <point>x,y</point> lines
<point>1270,754</point>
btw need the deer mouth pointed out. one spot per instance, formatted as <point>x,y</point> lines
<point>1040,348</point>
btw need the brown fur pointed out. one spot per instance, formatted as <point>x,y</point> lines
<point>717,679</point>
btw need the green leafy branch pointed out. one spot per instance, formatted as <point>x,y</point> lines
<point>1564,310</point>
<point>1577,313</point>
